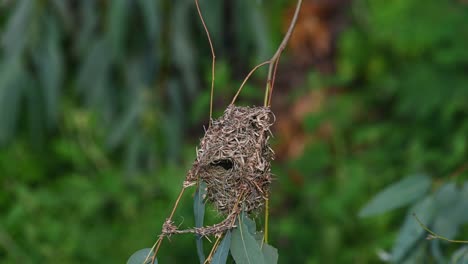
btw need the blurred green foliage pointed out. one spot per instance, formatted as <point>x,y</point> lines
<point>402,111</point>
<point>98,101</point>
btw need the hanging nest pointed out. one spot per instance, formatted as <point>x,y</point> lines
<point>234,159</point>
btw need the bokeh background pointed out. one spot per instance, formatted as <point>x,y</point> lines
<point>102,104</point>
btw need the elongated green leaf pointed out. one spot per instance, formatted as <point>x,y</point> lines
<point>199,205</point>
<point>184,57</point>
<point>49,65</point>
<point>93,72</point>
<point>17,30</point>
<point>89,22</point>
<point>257,21</point>
<point>221,254</point>
<point>464,205</point>
<point>122,127</point>
<point>270,254</point>
<point>117,26</point>
<point>418,254</point>
<point>411,232</point>
<point>397,195</point>
<point>65,13</point>
<point>34,107</point>
<point>94,65</point>
<point>11,93</point>
<point>140,256</point>
<point>448,203</point>
<point>436,251</point>
<point>249,223</point>
<point>199,213</point>
<point>151,15</point>
<point>133,148</point>
<point>460,256</point>
<point>244,247</point>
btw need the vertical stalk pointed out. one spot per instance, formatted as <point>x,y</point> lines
<point>276,56</point>
<point>213,59</point>
<point>269,89</point>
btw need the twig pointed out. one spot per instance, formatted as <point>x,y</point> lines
<point>155,248</point>
<point>279,51</point>
<point>267,206</point>
<point>215,246</point>
<point>159,241</point>
<point>246,78</point>
<point>213,61</point>
<point>269,88</point>
<point>436,236</point>
<point>273,80</point>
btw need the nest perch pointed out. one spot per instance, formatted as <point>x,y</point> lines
<point>234,159</point>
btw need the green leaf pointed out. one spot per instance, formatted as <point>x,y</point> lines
<point>199,213</point>
<point>249,223</point>
<point>436,251</point>
<point>199,205</point>
<point>63,11</point>
<point>244,247</point>
<point>16,33</point>
<point>418,254</point>
<point>270,254</point>
<point>49,65</point>
<point>397,195</point>
<point>221,254</point>
<point>91,81</point>
<point>464,205</point>
<point>88,10</point>
<point>184,55</point>
<point>256,21</point>
<point>139,257</point>
<point>121,130</point>
<point>34,107</point>
<point>152,17</point>
<point>448,203</point>
<point>460,256</point>
<point>117,24</point>
<point>411,232</point>
<point>11,92</point>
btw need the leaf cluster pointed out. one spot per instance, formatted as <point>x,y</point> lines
<point>444,211</point>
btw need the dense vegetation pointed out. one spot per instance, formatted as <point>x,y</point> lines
<point>102,104</point>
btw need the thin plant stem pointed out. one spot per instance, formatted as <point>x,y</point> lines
<point>159,241</point>
<point>267,206</point>
<point>279,51</point>
<point>213,60</point>
<point>436,236</point>
<point>213,249</point>
<point>245,80</point>
<point>269,89</point>
<point>273,81</point>
<point>215,246</point>
<point>177,203</point>
<point>157,244</point>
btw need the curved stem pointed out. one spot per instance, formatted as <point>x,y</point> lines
<point>158,243</point>
<point>273,81</point>
<point>213,61</point>
<point>245,80</point>
<point>433,235</point>
<point>279,51</point>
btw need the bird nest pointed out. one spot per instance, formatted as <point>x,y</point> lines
<point>234,159</point>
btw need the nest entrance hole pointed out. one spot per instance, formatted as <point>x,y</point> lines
<point>226,164</point>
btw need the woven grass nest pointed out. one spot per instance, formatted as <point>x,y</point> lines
<point>234,157</point>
